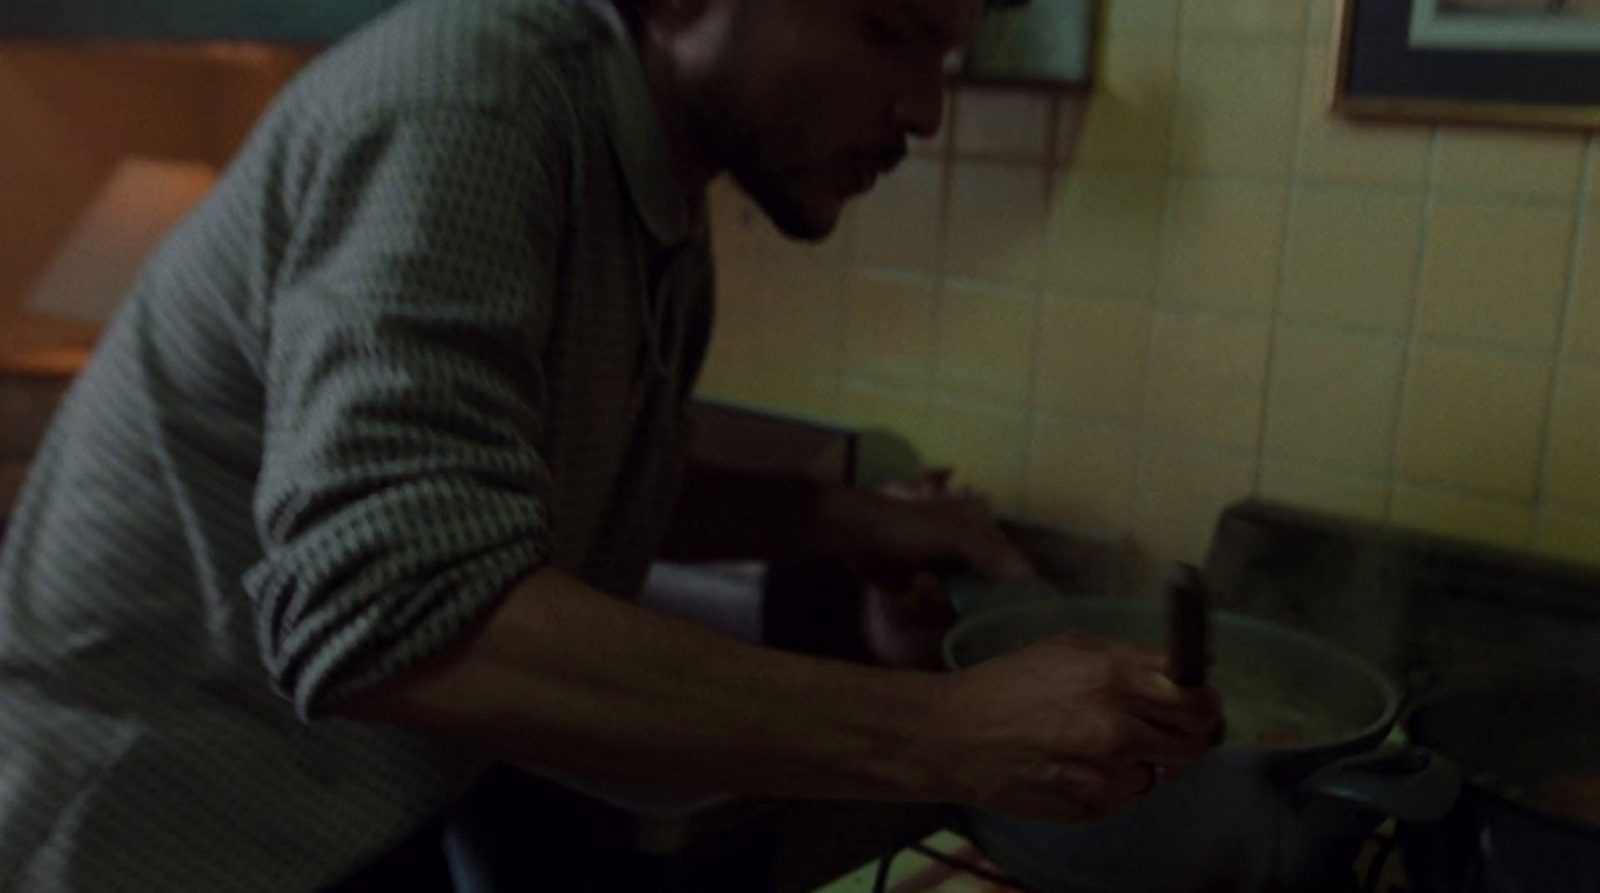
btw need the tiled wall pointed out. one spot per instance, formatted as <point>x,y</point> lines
<point>1225,292</point>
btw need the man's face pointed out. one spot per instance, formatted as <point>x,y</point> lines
<point>807,102</point>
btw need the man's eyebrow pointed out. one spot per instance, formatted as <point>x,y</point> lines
<point>932,27</point>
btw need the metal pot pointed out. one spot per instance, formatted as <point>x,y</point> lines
<point>1250,817</point>
<point>1519,743</point>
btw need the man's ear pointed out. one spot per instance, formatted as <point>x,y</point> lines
<point>677,13</point>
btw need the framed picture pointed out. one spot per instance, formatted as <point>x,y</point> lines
<point>1527,63</point>
<point>1034,42</point>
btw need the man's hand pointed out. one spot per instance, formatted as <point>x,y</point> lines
<point>1072,730</point>
<point>925,526</point>
<point>901,542</point>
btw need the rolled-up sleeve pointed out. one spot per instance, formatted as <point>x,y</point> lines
<point>402,490</point>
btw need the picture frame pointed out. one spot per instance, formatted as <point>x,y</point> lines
<point>1037,43</point>
<point>1506,63</point>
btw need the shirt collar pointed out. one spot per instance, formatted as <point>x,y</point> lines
<point>639,137</point>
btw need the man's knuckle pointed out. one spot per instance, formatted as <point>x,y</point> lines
<point>1101,670</point>
<point>1109,736</point>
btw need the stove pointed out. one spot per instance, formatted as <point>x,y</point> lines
<point>1432,612</point>
<point>946,862</point>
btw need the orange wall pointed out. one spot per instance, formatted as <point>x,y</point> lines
<point>68,113</point>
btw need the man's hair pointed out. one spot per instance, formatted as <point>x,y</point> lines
<point>630,9</point>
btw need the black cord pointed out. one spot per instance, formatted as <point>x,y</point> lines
<point>961,864</point>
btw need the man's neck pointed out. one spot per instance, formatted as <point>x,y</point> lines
<point>696,166</point>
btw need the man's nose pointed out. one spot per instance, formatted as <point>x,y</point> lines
<point>920,111</point>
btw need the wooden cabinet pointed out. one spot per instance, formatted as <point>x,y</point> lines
<point>32,384</point>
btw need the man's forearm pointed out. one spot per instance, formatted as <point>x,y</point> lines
<point>725,514</point>
<point>566,677</point>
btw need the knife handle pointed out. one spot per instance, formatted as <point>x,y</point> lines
<point>1188,626</point>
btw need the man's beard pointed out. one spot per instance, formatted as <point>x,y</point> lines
<point>738,148</point>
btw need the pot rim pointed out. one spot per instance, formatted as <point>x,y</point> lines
<point>1377,729</point>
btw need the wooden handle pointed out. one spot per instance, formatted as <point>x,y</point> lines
<point>1188,626</point>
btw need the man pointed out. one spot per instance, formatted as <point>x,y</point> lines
<point>343,507</point>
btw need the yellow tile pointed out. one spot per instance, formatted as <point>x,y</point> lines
<point>986,342</point>
<point>738,227</point>
<point>724,378</point>
<point>1236,108</point>
<point>1208,379</point>
<point>1338,492</point>
<point>1572,472</point>
<point>1092,359</point>
<point>898,224</point>
<point>1000,121</point>
<point>1106,231</point>
<point>1251,18</point>
<point>986,447</point>
<point>741,322</point>
<point>1334,397</point>
<point>1143,17</point>
<point>1474,419</point>
<point>1450,513</point>
<point>1181,493</point>
<point>875,407</point>
<point>1583,326</point>
<point>1496,274</point>
<point>790,391</point>
<point>741,366</point>
<point>1130,116</point>
<point>727,363</point>
<point>997,219</point>
<point>1351,257</point>
<point>1569,537</point>
<point>892,328</point>
<point>1320,31</point>
<point>1543,165</point>
<point>1082,476</point>
<point>1223,245</point>
<point>803,319</point>
<point>1334,148</point>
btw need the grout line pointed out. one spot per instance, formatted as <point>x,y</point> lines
<point>1294,463</point>
<point>1005,158</point>
<point>947,179</point>
<point>1581,221</point>
<point>1521,200</point>
<point>1286,228</point>
<point>1145,444</point>
<point>1055,176</point>
<point>1240,38</point>
<point>1408,355</point>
